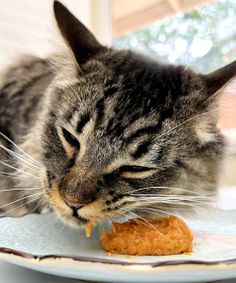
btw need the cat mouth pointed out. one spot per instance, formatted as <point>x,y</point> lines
<point>77,216</point>
<point>81,219</point>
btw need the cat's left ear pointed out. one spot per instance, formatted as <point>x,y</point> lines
<point>217,80</point>
<point>80,40</point>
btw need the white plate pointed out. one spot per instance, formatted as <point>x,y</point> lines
<point>41,243</point>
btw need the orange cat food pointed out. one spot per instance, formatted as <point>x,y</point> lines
<point>89,227</point>
<point>170,236</point>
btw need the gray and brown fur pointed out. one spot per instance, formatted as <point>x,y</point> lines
<point>106,123</point>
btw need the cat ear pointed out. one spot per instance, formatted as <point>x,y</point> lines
<point>80,40</point>
<point>217,80</point>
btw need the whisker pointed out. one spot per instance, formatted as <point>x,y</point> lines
<point>144,221</point>
<point>5,205</point>
<point>170,131</point>
<point>62,228</point>
<point>41,202</point>
<point>21,150</point>
<point>139,222</point>
<point>18,156</point>
<point>19,177</point>
<point>17,169</point>
<point>173,202</point>
<point>159,210</point>
<point>185,207</point>
<point>24,204</point>
<point>150,211</point>
<point>179,197</point>
<point>163,187</point>
<point>118,213</point>
<point>14,174</point>
<point>176,198</point>
<point>171,196</point>
<point>20,189</point>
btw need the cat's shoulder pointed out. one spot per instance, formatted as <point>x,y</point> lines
<point>22,69</point>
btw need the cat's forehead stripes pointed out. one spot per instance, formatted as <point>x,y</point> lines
<point>100,112</point>
<point>83,120</point>
<point>148,130</point>
<point>110,90</point>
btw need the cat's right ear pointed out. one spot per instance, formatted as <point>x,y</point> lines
<point>80,40</point>
<point>216,81</point>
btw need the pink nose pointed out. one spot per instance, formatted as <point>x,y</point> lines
<point>73,204</point>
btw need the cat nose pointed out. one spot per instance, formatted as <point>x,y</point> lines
<point>72,204</point>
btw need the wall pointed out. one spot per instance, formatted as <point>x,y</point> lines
<point>28,26</point>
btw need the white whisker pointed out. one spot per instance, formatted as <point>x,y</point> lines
<point>176,198</point>
<point>163,187</point>
<point>62,228</point>
<point>18,170</point>
<point>144,201</point>
<point>19,177</point>
<point>170,196</point>
<point>24,204</point>
<point>22,189</point>
<point>157,211</point>
<point>21,150</point>
<point>118,213</point>
<point>144,221</point>
<point>14,174</point>
<point>177,205</point>
<point>18,156</point>
<point>41,203</point>
<point>5,205</point>
<point>161,212</point>
<point>170,131</point>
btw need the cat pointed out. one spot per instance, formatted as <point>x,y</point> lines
<point>95,133</point>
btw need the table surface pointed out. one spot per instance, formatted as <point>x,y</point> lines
<point>13,274</point>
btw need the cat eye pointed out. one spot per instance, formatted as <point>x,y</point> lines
<point>127,170</point>
<point>70,139</point>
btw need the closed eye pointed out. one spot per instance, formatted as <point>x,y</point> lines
<point>134,172</point>
<point>71,139</point>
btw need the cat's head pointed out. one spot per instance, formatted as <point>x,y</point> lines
<point>126,133</point>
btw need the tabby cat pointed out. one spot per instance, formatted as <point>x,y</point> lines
<point>94,132</point>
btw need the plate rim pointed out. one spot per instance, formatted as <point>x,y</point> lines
<point>41,258</point>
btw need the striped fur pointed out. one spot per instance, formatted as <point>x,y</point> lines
<point>106,125</point>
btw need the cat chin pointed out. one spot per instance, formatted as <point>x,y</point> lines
<point>74,222</point>
<point>71,221</point>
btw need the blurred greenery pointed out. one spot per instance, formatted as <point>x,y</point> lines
<point>204,38</point>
